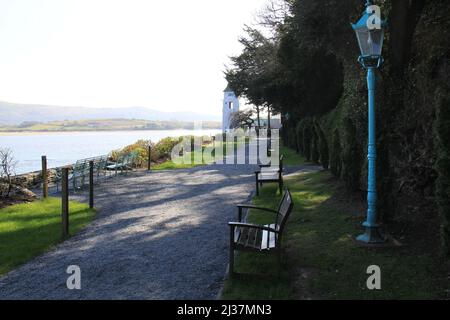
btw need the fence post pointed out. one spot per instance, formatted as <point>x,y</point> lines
<point>149,157</point>
<point>65,202</point>
<point>214,148</point>
<point>91,184</point>
<point>44,177</point>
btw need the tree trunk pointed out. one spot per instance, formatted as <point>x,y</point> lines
<point>259,124</point>
<point>257,114</point>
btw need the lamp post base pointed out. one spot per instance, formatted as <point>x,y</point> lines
<point>372,236</point>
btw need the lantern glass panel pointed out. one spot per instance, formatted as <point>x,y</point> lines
<point>370,41</point>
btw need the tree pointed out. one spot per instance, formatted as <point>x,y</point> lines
<point>242,119</point>
<point>335,161</point>
<point>274,15</point>
<point>7,167</point>
<point>251,74</point>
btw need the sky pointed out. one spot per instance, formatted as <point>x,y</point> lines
<point>165,55</point>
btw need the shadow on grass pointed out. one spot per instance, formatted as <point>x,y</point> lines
<point>322,259</point>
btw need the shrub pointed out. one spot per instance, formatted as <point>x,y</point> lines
<point>351,157</point>
<point>443,169</point>
<point>292,138</point>
<point>307,139</point>
<point>159,152</point>
<point>315,152</point>
<point>141,149</point>
<point>299,134</point>
<point>335,161</point>
<point>323,147</point>
<point>163,149</point>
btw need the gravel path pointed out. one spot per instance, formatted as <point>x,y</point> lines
<point>161,235</point>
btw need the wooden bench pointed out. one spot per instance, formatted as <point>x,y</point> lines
<point>269,173</point>
<point>260,238</point>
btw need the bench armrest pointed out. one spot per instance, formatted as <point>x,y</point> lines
<point>251,226</point>
<point>243,206</point>
<point>262,166</point>
<point>278,170</point>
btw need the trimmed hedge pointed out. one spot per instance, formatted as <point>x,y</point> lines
<point>323,147</point>
<point>336,161</point>
<point>312,142</point>
<point>443,168</point>
<point>315,152</point>
<point>299,134</point>
<point>351,157</point>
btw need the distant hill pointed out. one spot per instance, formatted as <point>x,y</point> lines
<point>106,125</point>
<point>12,114</point>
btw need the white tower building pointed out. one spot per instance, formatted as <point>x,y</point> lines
<point>230,105</point>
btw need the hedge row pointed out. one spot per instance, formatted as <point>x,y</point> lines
<point>443,167</point>
<point>308,138</point>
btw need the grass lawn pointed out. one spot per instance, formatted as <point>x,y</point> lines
<point>206,158</point>
<point>321,259</point>
<point>291,158</point>
<point>170,165</point>
<point>28,230</point>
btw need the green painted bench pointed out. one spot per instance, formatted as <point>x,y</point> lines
<point>124,163</point>
<point>79,173</point>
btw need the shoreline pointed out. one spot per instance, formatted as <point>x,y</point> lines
<point>29,133</point>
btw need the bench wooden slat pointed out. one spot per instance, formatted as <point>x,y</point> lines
<point>239,235</point>
<point>268,238</point>
<point>268,176</point>
<point>255,238</point>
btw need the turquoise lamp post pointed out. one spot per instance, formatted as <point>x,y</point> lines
<point>370,33</point>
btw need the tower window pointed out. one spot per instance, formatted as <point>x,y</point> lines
<point>230,105</point>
